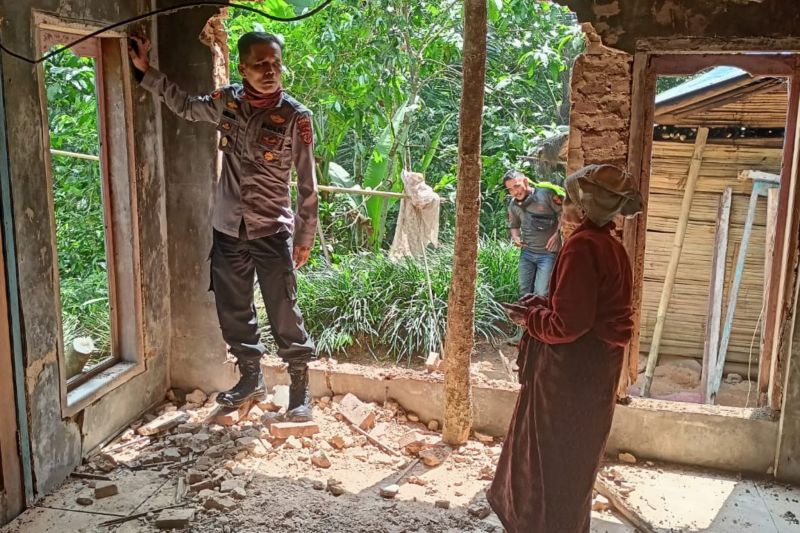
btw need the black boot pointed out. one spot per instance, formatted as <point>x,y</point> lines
<point>299,409</point>
<point>250,386</point>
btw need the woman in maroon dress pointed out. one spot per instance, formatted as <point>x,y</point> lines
<point>569,363</point>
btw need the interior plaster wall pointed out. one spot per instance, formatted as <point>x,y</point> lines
<point>58,442</point>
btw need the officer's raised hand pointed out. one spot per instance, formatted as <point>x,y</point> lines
<point>300,255</point>
<point>140,53</point>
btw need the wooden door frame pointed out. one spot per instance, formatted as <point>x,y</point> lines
<point>647,66</point>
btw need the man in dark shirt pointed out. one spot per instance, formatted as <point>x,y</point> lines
<point>533,220</point>
<point>263,133</point>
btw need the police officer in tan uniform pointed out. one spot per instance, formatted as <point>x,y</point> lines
<point>263,132</point>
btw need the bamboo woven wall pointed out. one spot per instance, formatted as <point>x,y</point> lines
<point>684,329</point>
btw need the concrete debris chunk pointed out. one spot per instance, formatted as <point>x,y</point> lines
<point>479,510</point>
<point>442,504</point>
<point>200,442</point>
<point>412,442</point>
<point>197,397</point>
<point>174,518</point>
<point>163,423</point>
<point>230,484</point>
<point>335,487</point>
<point>357,412</point>
<point>389,491</point>
<point>435,455</point>
<point>320,459</point>
<point>318,485</point>
<point>433,425</point>
<point>172,454</point>
<point>83,500</point>
<point>239,493</point>
<point>248,443</point>
<point>412,417</point>
<point>600,503</point>
<point>219,502</point>
<point>255,413</point>
<point>104,462</point>
<point>104,489</point>
<point>414,480</point>
<point>626,457</point>
<point>194,476</point>
<point>292,443</point>
<point>284,430</point>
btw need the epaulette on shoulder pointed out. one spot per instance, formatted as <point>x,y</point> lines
<point>297,106</point>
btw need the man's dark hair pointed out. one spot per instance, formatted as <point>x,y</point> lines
<point>512,175</point>
<point>252,38</point>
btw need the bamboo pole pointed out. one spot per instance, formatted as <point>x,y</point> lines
<point>88,157</point>
<point>675,256</point>
<point>717,286</point>
<point>461,301</point>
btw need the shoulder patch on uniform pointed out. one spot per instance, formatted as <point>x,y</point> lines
<point>304,125</point>
<point>557,199</point>
<point>277,119</point>
<point>216,95</point>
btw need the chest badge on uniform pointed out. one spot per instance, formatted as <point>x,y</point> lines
<point>232,105</point>
<point>277,119</point>
<point>226,125</point>
<point>270,140</point>
<point>269,156</point>
<point>304,125</point>
<point>224,141</point>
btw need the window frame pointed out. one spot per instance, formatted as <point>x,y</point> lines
<point>115,131</point>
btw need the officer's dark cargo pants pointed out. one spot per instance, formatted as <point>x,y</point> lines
<point>233,265</point>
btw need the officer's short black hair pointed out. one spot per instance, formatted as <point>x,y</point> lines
<point>512,175</point>
<point>251,38</point>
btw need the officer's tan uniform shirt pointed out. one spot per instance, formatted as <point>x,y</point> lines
<point>259,147</point>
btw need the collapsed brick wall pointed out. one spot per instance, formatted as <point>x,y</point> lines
<point>600,117</point>
<point>600,121</point>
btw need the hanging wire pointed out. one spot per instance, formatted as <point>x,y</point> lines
<point>162,11</point>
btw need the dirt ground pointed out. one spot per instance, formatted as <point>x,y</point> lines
<point>241,478</point>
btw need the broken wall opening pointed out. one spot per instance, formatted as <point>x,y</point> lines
<point>714,185</point>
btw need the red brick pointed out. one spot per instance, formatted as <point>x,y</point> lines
<point>284,430</point>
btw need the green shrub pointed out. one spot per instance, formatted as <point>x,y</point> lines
<point>367,300</point>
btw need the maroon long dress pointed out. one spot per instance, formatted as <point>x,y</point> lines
<point>570,361</point>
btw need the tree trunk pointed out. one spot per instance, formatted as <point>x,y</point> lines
<point>459,339</point>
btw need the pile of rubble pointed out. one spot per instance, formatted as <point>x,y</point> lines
<point>212,454</point>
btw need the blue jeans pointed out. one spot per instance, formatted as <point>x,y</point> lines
<point>534,272</point>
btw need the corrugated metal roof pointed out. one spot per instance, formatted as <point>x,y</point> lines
<point>715,76</point>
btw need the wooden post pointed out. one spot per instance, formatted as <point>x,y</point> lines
<point>765,357</point>
<point>675,257</point>
<point>717,289</point>
<point>459,339</point>
<point>715,379</point>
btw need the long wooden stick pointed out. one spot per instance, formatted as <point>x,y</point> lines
<point>759,188</point>
<point>765,358</point>
<point>717,286</point>
<point>675,257</point>
<point>375,441</point>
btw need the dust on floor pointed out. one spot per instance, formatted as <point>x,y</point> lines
<point>666,499</point>
<point>187,471</point>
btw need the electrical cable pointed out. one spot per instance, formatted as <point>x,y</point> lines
<point>163,11</point>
